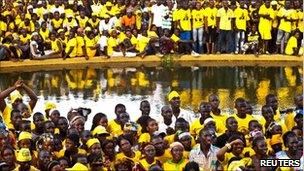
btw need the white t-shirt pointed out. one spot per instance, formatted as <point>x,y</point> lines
<point>106,26</point>
<point>32,45</point>
<point>162,127</point>
<point>158,13</point>
<point>102,42</point>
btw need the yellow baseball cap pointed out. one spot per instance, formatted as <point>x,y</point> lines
<point>92,141</point>
<point>24,135</point>
<point>173,94</point>
<point>49,105</point>
<point>78,167</point>
<point>23,155</point>
<point>15,95</point>
<point>100,130</point>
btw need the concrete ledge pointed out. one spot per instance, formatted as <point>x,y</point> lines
<point>152,61</point>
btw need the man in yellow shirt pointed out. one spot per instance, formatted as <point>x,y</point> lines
<point>185,22</point>
<point>224,27</point>
<point>292,44</point>
<point>241,19</point>
<point>197,30</point>
<point>286,16</point>
<point>241,116</point>
<point>210,25</point>
<point>71,47</point>
<point>217,114</point>
<point>266,15</point>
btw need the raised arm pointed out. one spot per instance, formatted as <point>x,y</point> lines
<point>31,94</point>
<point>4,94</point>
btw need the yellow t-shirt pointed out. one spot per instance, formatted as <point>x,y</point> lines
<point>224,163</point>
<point>195,127</point>
<point>142,43</point>
<point>3,26</point>
<point>144,138</point>
<point>72,43</point>
<point>225,18</point>
<point>166,156</point>
<point>292,43</point>
<point>135,159</point>
<point>25,39</point>
<point>57,23</point>
<point>198,18</point>
<point>300,21</point>
<point>89,43</point>
<point>45,34</point>
<point>145,164</point>
<point>134,41</point>
<point>265,23</point>
<point>175,15</point>
<point>220,122</point>
<point>289,14</point>
<point>112,42</point>
<point>175,38</point>
<point>170,165</point>
<point>241,17</point>
<point>32,168</point>
<point>80,45</point>
<point>54,45</point>
<point>82,21</point>
<point>94,24</point>
<point>114,128</point>
<point>211,13</point>
<point>30,27</point>
<point>185,19</point>
<point>243,123</point>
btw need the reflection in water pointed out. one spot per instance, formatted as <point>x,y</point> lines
<point>194,84</point>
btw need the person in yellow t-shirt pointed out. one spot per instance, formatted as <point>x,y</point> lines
<point>57,21</point>
<point>81,50</point>
<point>16,99</point>
<point>210,25</point>
<point>198,124</point>
<point>241,19</point>
<point>241,116</point>
<point>224,23</point>
<point>289,117</point>
<point>216,114</point>
<point>185,22</point>
<point>126,151</point>
<point>178,162</point>
<point>266,15</point>
<point>292,45</point>
<point>149,158</point>
<point>235,146</point>
<point>56,45</point>
<point>82,19</point>
<point>198,27</point>
<point>113,45</point>
<point>287,15</point>
<point>91,44</point>
<point>272,101</point>
<point>115,125</point>
<point>71,47</point>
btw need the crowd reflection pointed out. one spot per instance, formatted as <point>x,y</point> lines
<point>194,84</point>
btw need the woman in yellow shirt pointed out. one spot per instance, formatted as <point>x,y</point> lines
<point>149,159</point>
<point>126,150</point>
<point>151,128</point>
<point>178,162</point>
<point>56,45</point>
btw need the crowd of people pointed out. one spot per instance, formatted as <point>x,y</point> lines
<point>210,140</point>
<point>66,29</point>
